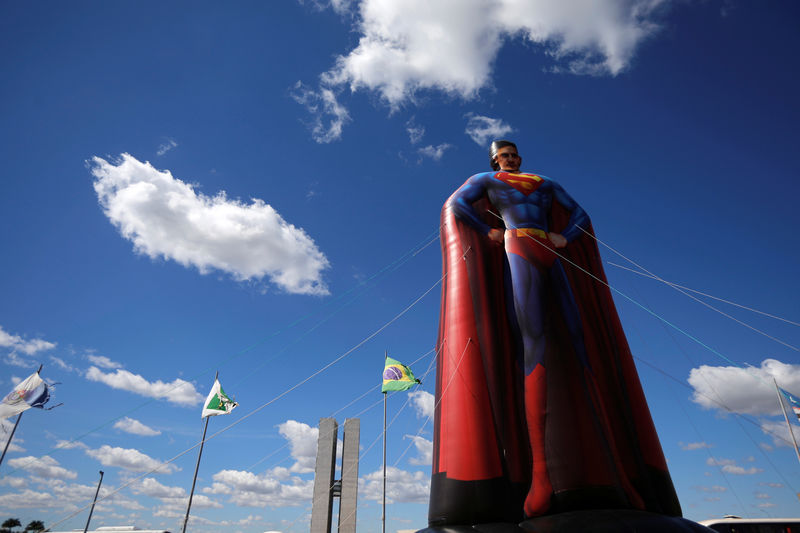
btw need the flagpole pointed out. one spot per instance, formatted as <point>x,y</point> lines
<point>8,442</point>
<point>385,394</point>
<point>91,511</point>
<point>197,467</point>
<point>786,416</point>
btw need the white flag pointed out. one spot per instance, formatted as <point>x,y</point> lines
<point>217,403</point>
<point>31,392</point>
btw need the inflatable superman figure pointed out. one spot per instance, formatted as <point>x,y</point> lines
<point>540,416</point>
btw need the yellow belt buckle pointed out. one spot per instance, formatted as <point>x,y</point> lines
<point>533,232</point>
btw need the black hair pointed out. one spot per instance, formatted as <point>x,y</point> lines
<point>494,147</point>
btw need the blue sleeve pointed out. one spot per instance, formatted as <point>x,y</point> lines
<point>462,201</point>
<point>578,218</point>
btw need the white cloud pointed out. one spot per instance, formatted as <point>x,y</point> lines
<point>322,105</point>
<point>27,499</point>
<point>339,6</point>
<point>247,489</point>
<point>715,488</point>
<point>134,427</point>
<point>740,470</point>
<point>14,359</point>
<point>166,146</point>
<point>165,217</point>
<point>303,445</point>
<point>150,487</point>
<point>14,482</point>
<point>694,445</point>
<point>483,130</point>
<point>712,461</point>
<point>415,131</point>
<point>70,445</point>
<point>743,390</point>
<point>129,459</point>
<point>103,362</point>
<point>61,363</point>
<point>393,56</point>
<point>6,426</point>
<point>18,344</point>
<point>401,486</point>
<point>434,152</point>
<point>729,466</point>
<point>178,391</point>
<point>44,466</point>
<point>423,403</point>
<point>71,496</point>
<point>424,450</point>
<point>779,433</point>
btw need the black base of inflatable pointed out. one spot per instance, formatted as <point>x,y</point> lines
<point>594,521</point>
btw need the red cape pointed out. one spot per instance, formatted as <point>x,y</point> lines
<point>601,446</point>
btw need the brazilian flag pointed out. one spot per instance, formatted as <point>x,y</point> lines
<point>397,376</point>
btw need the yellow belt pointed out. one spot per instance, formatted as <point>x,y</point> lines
<point>532,232</point>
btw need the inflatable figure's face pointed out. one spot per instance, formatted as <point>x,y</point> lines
<point>508,159</point>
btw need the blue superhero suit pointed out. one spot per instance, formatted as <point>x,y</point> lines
<point>523,201</point>
<point>539,409</point>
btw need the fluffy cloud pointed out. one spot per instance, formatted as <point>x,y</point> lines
<point>729,466</point>
<point>134,427</point>
<point>740,470</point>
<point>303,445</point>
<point>482,129</point>
<point>401,486</point>
<point>715,488</point>
<point>779,433</point>
<point>339,6</point>
<point>165,217</point>
<point>166,146</point>
<point>6,426</point>
<point>129,459</point>
<point>434,152</point>
<point>103,362</point>
<point>14,482</point>
<point>150,487</point>
<point>70,444</point>
<point>393,56</point>
<point>424,450</point>
<point>743,390</point>
<point>44,466</point>
<point>423,403</point>
<point>61,363</point>
<point>18,344</point>
<point>247,489</point>
<point>415,131</point>
<point>27,499</point>
<point>329,117</point>
<point>694,445</point>
<point>178,391</point>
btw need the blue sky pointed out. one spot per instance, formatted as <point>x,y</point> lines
<point>255,189</point>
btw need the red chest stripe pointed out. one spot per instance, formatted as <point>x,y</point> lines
<point>524,183</point>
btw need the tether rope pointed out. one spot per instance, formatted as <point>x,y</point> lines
<point>685,293</point>
<point>256,410</point>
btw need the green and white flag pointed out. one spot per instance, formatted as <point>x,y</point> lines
<point>217,403</point>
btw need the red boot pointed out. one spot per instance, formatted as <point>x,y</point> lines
<point>538,500</point>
